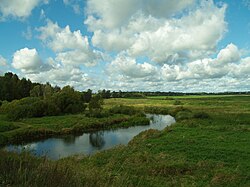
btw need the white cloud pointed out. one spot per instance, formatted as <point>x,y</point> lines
<point>78,57</point>
<point>242,69</point>
<point>28,33</point>
<point>4,66</point>
<point>62,76</point>
<point>128,67</point>
<point>148,31</point>
<point>70,47</point>
<point>227,63</point>
<point>75,4</point>
<point>3,61</point>
<point>229,54</point>
<point>61,39</point>
<point>18,9</point>
<point>115,13</point>
<point>28,61</point>
<point>200,75</point>
<point>183,39</point>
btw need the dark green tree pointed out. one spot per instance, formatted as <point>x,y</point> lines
<point>95,104</point>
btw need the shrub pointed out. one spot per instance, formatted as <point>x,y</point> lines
<point>201,115</point>
<point>97,114</point>
<point>156,110</point>
<point>19,111</point>
<point>68,101</point>
<point>136,121</point>
<point>182,115</point>
<point>177,102</point>
<point>169,98</point>
<point>121,109</point>
<point>51,109</point>
<point>38,109</point>
<point>174,111</point>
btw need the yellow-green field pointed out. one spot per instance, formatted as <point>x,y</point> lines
<point>196,151</point>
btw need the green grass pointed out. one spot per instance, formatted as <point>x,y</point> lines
<point>210,151</point>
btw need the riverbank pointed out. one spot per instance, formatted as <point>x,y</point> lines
<point>31,129</point>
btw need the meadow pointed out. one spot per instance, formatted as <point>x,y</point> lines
<point>208,146</point>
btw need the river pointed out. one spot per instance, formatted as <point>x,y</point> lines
<point>90,143</point>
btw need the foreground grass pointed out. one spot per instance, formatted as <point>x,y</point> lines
<point>193,152</point>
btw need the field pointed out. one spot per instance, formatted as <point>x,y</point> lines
<point>196,151</point>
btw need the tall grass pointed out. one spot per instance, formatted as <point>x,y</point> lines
<point>25,170</point>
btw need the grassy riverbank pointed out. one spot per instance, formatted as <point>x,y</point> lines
<point>201,151</point>
<point>31,129</point>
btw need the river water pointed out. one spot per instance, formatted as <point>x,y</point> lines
<point>90,143</point>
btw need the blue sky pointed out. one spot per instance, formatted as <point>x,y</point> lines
<point>192,45</point>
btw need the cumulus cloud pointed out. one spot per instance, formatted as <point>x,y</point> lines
<point>115,13</point>
<point>70,47</point>
<point>227,64</point>
<point>128,67</point>
<point>78,57</point>
<point>61,39</point>
<point>28,61</point>
<point>63,75</point>
<point>206,74</point>
<point>18,9</point>
<point>242,69</point>
<point>229,54</point>
<point>145,30</point>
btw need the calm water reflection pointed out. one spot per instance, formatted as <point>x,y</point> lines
<point>89,143</point>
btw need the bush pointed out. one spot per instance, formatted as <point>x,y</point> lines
<point>174,111</point>
<point>136,121</point>
<point>121,109</point>
<point>169,98</point>
<point>7,127</point>
<point>97,114</point>
<point>38,109</point>
<point>51,109</point>
<point>201,115</point>
<point>18,109</point>
<point>177,102</point>
<point>68,102</point>
<point>156,110</point>
<point>182,115</point>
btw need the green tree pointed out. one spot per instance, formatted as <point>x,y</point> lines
<point>87,96</point>
<point>95,104</point>
<point>36,91</point>
<point>47,91</point>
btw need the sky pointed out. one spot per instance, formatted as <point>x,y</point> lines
<point>128,45</point>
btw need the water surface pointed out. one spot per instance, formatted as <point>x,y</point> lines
<point>89,143</point>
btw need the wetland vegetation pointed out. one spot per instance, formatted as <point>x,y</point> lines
<point>209,147</point>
